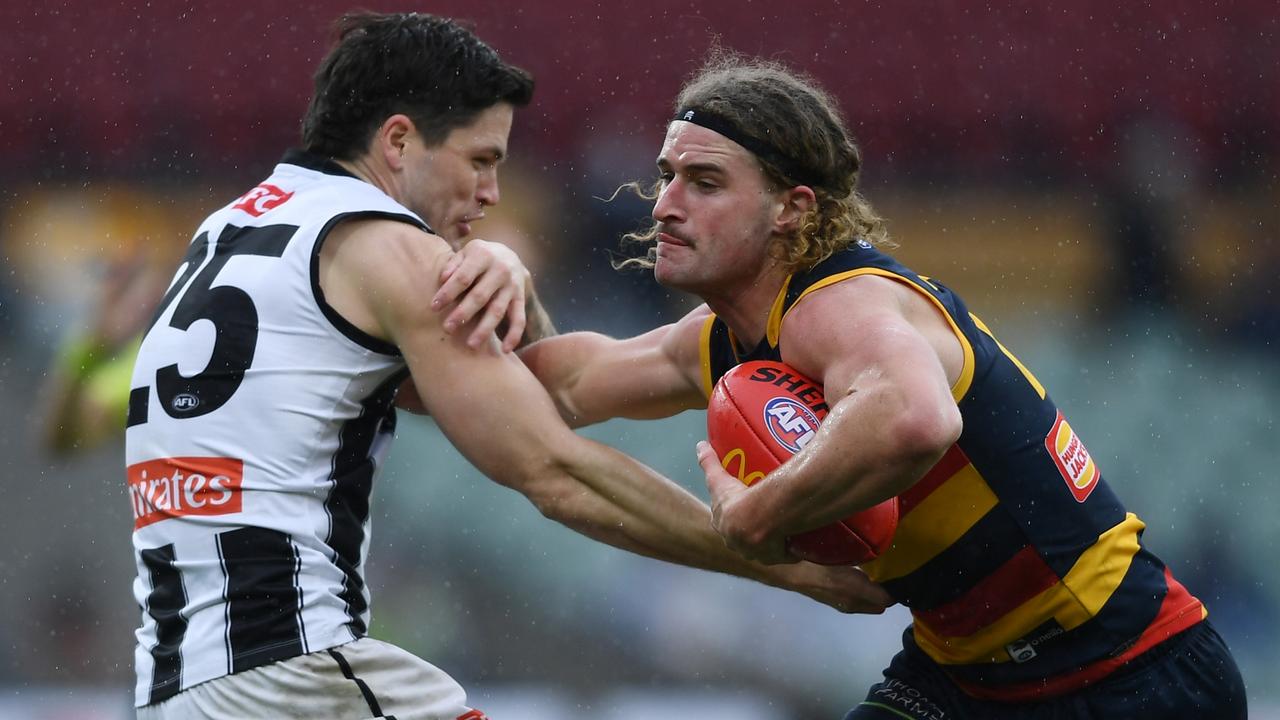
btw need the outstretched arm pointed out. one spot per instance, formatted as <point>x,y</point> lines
<point>493,410</point>
<point>593,377</point>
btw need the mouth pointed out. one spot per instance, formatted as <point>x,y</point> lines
<point>669,239</point>
<point>464,225</point>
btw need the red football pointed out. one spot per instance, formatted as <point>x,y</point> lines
<point>759,415</point>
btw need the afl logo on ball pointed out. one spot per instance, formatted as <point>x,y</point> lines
<point>790,423</point>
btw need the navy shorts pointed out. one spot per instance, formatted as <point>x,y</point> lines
<point>1190,676</point>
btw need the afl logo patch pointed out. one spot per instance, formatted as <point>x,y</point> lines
<point>186,402</point>
<point>1072,459</point>
<point>791,423</point>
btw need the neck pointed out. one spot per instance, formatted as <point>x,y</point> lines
<point>746,309</point>
<point>367,171</point>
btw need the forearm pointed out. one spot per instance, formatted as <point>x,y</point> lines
<point>612,498</point>
<point>593,377</point>
<point>861,456</point>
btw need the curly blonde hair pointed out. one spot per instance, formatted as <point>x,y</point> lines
<point>788,111</point>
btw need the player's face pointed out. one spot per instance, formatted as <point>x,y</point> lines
<point>715,213</point>
<point>452,183</point>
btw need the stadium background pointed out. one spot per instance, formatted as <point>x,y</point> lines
<point>1097,178</point>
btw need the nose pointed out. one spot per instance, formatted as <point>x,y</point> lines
<point>666,208</point>
<point>487,189</point>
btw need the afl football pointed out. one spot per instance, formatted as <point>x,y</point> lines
<point>759,415</point>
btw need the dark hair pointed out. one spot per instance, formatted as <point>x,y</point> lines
<point>432,69</point>
<point>791,115</point>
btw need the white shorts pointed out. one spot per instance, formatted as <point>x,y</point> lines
<point>363,679</point>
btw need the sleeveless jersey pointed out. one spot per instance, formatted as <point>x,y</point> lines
<point>1024,574</point>
<point>257,421</point>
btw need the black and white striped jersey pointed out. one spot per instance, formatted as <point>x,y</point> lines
<point>258,419</point>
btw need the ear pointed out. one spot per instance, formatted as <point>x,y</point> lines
<point>795,202</point>
<point>392,140</point>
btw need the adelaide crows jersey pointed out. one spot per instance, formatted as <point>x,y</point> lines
<point>1024,574</point>
<point>257,421</point>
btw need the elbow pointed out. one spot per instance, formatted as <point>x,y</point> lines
<point>550,488</point>
<point>925,433</point>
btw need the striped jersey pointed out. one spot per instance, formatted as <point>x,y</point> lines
<point>1024,574</point>
<point>257,420</point>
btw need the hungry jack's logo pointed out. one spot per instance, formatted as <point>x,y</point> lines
<point>184,486</point>
<point>1073,460</point>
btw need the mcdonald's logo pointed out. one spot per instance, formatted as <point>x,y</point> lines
<point>740,455</point>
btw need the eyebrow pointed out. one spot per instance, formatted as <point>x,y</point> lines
<point>705,166</point>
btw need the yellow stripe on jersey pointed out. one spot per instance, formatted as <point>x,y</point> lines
<point>1025,372</point>
<point>704,354</point>
<point>773,330</point>
<point>1071,602</point>
<point>962,383</point>
<point>934,525</point>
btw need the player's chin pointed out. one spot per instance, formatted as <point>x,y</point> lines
<point>667,273</point>
<point>662,272</point>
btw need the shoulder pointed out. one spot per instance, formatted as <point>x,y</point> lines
<point>682,339</point>
<point>844,300</point>
<point>389,247</point>
<point>869,319</point>
<point>843,316</point>
<point>685,345</point>
<point>373,270</point>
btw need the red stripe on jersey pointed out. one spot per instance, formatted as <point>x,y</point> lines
<point>949,465</point>
<point>1019,579</point>
<point>1179,611</point>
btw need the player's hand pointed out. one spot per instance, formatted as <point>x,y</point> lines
<point>727,492</point>
<point>843,587</point>
<point>487,279</point>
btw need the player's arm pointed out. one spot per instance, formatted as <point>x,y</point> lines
<point>593,377</point>
<point>485,281</point>
<point>880,359</point>
<point>494,411</point>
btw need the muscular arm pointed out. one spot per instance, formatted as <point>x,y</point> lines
<point>593,377</point>
<point>488,282</point>
<point>880,358</point>
<point>493,410</point>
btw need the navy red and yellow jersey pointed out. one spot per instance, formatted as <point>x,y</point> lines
<point>1024,574</point>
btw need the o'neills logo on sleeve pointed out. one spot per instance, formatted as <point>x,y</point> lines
<point>1072,459</point>
<point>184,486</point>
